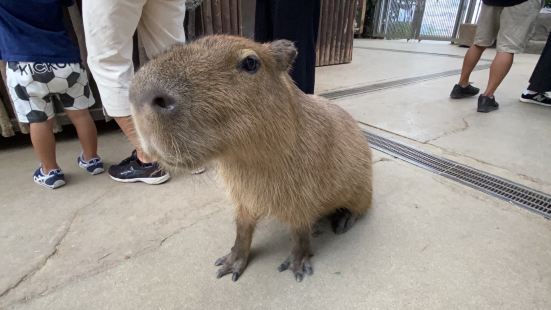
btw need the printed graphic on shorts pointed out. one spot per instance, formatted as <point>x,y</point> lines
<point>35,87</point>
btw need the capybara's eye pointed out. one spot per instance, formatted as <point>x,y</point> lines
<point>250,64</point>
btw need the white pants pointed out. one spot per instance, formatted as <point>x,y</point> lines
<point>109,26</point>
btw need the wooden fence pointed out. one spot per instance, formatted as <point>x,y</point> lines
<point>336,32</point>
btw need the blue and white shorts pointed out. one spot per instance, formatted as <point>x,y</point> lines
<point>37,88</point>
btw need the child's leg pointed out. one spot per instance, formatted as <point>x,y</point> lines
<point>86,130</point>
<point>32,105</point>
<point>42,137</point>
<point>75,96</point>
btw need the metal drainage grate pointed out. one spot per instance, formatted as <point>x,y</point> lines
<point>332,95</point>
<point>507,190</point>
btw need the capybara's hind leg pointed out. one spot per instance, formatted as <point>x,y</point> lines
<point>342,220</point>
<point>299,260</point>
<point>236,261</point>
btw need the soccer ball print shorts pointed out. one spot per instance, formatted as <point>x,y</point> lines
<point>36,88</point>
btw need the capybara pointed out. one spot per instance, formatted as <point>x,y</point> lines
<point>281,152</point>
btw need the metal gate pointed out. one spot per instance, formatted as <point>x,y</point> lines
<point>422,19</point>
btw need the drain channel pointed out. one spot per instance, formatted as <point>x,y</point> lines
<point>337,94</point>
<point>512,192</point>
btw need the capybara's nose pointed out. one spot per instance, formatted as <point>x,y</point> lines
<point>162,103</point>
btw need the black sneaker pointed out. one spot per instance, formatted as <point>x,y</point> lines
<point>487,104</point>
<point>459,92</point>
<point>537,98</point>
<point>132,170</point>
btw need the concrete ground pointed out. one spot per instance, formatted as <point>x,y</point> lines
<point>428,242</point>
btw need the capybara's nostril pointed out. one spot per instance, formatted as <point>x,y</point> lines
<point>163,103</point>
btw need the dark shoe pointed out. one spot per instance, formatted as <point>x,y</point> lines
<point>538,98</point>
<point>132,170</point>
<point>459,92</point>
<point>487,104</point>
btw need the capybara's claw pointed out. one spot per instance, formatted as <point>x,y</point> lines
<point>299,266</point>
<point>231,263</point>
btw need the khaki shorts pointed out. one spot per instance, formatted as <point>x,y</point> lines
<point>109,26</point>
<point>510,25</point>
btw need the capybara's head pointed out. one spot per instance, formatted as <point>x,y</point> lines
<point>212,97</point>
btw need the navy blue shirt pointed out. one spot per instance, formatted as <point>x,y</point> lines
<point>33,30</point>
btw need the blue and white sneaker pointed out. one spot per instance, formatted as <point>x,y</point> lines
<point>53,179</point>
<point>93,166</point>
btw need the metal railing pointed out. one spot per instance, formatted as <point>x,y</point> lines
<point>423,19</point>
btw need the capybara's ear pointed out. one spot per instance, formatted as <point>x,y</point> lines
<point>284,52</point>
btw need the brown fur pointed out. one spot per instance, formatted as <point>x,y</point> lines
<point>281,152</point>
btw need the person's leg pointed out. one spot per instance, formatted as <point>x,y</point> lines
<point>109,26</point>
<point>33,105</point>
<point>263,24</point>
<point>162,25</point>
<point>498,70</point>
<point>469,62</point>
<point>298,21</point>
<point>540,81</point>
<point>86,130</point>
<point>486,32</point>
<point>43,140</point>
<point>515,25</point>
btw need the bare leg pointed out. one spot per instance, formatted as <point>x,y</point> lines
<point>43,139</point>
<point>299,260</point>
<point>236,261</point>
<point>469,62</point>
<point>498,70</point>
<point>127,126</point>
<point>86,130</point>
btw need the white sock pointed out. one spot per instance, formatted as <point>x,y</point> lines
<point>529,92</point>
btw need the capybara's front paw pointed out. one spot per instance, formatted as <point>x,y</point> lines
<point>299,264</point>
<point>232,263</point>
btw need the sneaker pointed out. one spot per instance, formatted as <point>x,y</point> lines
<point>53,179</point>
<point>487,104</point>
<point>459,91</point>
<point>93,166</point>
<point>537,98</point>
<point>132,170</point>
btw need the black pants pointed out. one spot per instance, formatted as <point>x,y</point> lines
<point>293,20</point>
<point>540,80</point>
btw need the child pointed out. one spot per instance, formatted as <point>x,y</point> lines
<point>43,69</point>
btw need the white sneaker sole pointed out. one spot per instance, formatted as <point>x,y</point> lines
<point>57,184</point>
<point>534,102</point>
<point>151,181</point>
<point>96,171</point>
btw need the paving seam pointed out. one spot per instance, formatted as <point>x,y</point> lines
<point>347,92</point>
<point>415,52</point>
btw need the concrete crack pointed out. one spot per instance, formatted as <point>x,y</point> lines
<point>105,268</point>
<point>381,160</point>
<point>43,262</point>
<point>52,253</point>
<point>465,127</point>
